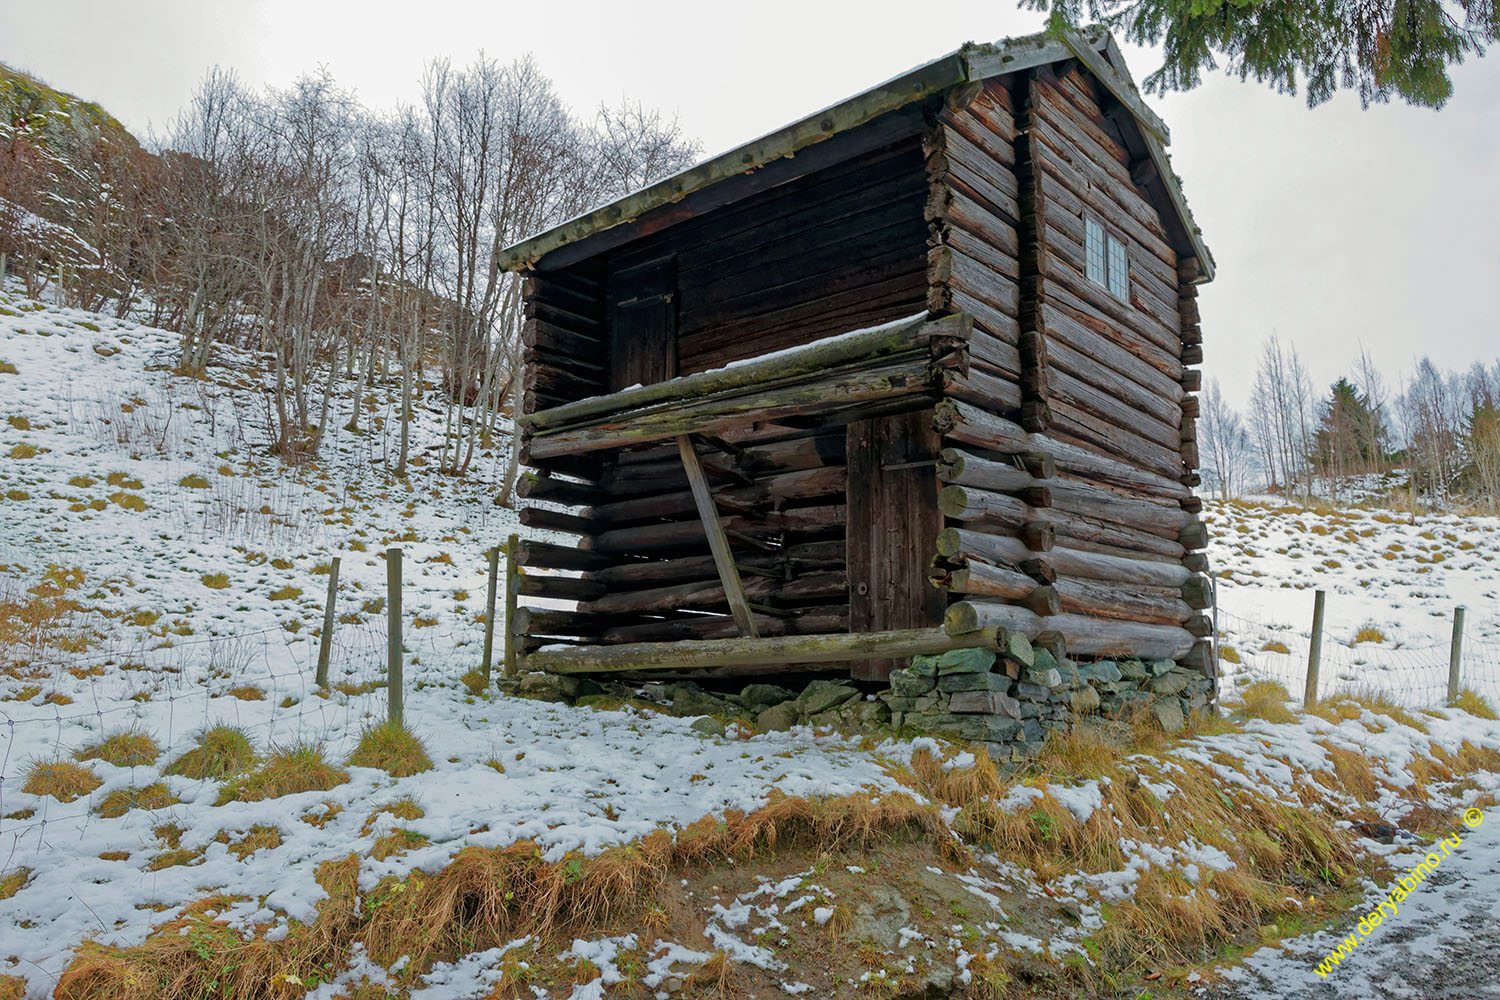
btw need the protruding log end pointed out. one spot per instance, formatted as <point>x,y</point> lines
<point>1194,535</point>
<point>1039,464</point>
<point>1039,570</point>
<point>1039,536</point>
<point>1042,601</point>
<point>1052,642</point>
<point>1200,658</point>
<point>949,544</point>
<point>1198,592</point>
<point>1200,626</point>
<point>1196,561</point>
<point>961,618</point>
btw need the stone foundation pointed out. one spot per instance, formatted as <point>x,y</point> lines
<point>1011,700</point>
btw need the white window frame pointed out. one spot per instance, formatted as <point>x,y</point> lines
<point>1106,259</point>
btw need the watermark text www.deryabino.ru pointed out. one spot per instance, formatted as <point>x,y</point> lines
<point>1399,890</point>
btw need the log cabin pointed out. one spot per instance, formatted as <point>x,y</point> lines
<point>911,375</point>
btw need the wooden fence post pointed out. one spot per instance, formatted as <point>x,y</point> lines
<point>393,631</point>
<point>1314,652</point>
<point>489,613</point>
<point>512,592</point>
<point>1455,654</point>
<point>325,641</point>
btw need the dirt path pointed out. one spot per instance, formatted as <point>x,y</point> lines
<point>1443,945</point>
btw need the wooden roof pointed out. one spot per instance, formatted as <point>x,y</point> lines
<point>1145,133</point>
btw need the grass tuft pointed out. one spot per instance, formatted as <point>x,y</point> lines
<point>14,881</point>
<point>61,779</point>
<point>391,748</point>
<point>1266,700</point>
<point>121,801</point>
<point>125,748</point>
<point>219,752</point>
<point>285,771</point>
<point>1474,703</point>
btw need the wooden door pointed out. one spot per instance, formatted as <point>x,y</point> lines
<point>892,528</point>
<point>642,323</point>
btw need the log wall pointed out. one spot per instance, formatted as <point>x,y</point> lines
<point>841,248</point>
<point>1090,456</point>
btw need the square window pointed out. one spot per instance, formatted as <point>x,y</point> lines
<point>1119,270</point>
<point>1094,252</point>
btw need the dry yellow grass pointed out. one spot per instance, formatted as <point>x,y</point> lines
<point>218,753</point>
<point>61,779</point>
<point>1474,703</point>
<point>483,898</point>
<point>1275,646</point>
<point>393,749</point>
<point>1368,632</point>
<point>1266,700</point>
<point>14,881</point>
<point>242,844</point>
<point>122,800</point>
<point>285,771</point>
<point>123,748</point>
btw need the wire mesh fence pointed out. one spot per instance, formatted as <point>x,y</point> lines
<point>260,682</point>
<point>1409,668</point>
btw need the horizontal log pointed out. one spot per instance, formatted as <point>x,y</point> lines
<point>535,486</point>
<point>559,588</point>
<point>553,520</point>
<point>971,504</point>
<point>795,559</point>
<point>812,621</point>
<point>804,484</point>
<point>1128,603</point>
<point>898,337</point>
<point>710,593</point>
<point>953,543</point>
<point>960,468</point>
<point>891,379</point>
<point>965,423</point>
<point>1085,636</point>
<point>550,556</point>
<point>1078,497</point>
<point>827,648</point>
<point>673,534</point>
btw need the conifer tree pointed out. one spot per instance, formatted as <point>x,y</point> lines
<point>1379,48</point>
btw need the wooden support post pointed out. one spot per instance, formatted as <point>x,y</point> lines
<point>512,592</point>
<point>1455,654</point>
<point>489,614</point>
<point>393,692</point>
<point>325,641</point>
<point>1314,652</point>
<point>718,542</point>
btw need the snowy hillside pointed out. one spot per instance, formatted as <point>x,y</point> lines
<point>161,577</point>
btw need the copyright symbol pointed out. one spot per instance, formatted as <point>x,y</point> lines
<point>1473,817</point>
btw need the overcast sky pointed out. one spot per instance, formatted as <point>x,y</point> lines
<point>1334,228</point>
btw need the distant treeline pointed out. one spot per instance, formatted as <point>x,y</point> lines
<point>1442,427</point>
<point>327,235</point>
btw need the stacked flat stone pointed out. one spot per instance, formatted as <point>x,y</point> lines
<point>1012,698</point>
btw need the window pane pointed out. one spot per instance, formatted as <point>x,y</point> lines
<point>1119,270</point>
<point>1094,252</point>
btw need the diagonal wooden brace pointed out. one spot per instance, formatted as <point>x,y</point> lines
<point>718,542</point>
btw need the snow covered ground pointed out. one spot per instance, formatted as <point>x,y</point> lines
<point>1393,581</point>
<point>194,568</point>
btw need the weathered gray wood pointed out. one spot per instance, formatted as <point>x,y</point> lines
<point>1314,651</point>
<point>489,612</point>
<point>718,542</point>
<point>1085,636</point>
<point>549,556</point>
<point>1127,602</point>
<point>970,504</point>
<point>512,595</point>
<point>1064,560</point>
<point>325,640</point>
<point>747,651</point>
<point>1456,655</point>
<point>395,695</point>
<point>893,378</point>
<point>959,468</point>
<point>881,341</point>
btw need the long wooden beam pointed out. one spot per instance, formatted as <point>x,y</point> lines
<point>857,345</point>
<point>718,542</point>
<point>700,653</point>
